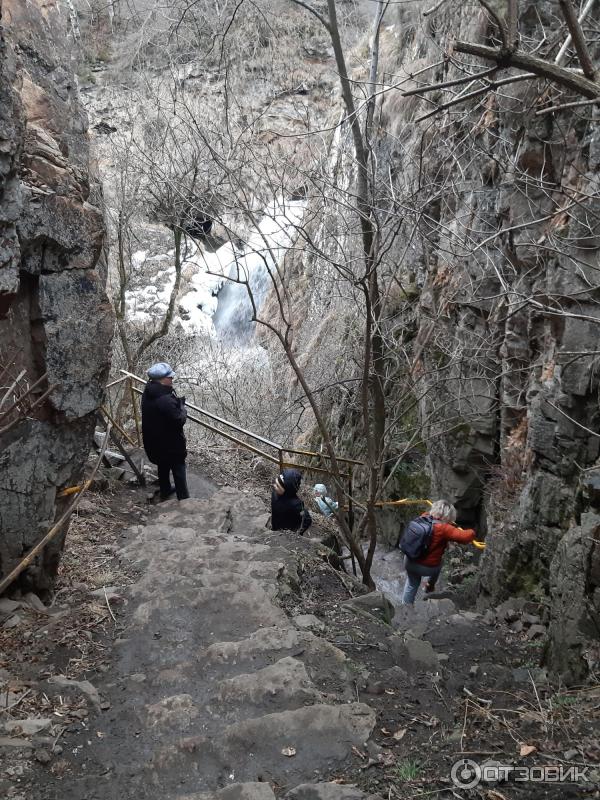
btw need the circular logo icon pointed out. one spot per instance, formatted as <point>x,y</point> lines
<point>465,773</point>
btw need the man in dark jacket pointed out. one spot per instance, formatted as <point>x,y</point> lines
<point>163,417</point>
<point>287,510</point>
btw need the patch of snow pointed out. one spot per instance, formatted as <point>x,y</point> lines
<point>207,272</point>
<point>265,249</point>
<point>138,258</point>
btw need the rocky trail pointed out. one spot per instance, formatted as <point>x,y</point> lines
<point>234,662</point>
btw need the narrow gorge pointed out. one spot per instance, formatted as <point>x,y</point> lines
<point>365,235</point>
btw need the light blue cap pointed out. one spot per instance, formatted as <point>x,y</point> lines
<point>160,370</point>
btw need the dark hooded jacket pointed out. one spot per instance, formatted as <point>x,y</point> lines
<point>163,418</point>
<point>287,510</point>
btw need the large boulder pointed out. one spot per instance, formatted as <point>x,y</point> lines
<point>55,317</point>
<point>413,655</point>
<point>575,610</point>
<point>374,603</point>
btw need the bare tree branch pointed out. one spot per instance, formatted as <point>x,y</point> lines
<point>539,67</point>
<point>567,43</point>
<point>499,23</point>
<point>577,36</point>
<point>512,23</point>
<point>564,106</point>
<point>475,93</point>
<point>434,8</point>
<point>432,87</point>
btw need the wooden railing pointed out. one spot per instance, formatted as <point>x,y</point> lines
<point>274,452</point>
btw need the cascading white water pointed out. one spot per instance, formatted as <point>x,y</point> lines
<point>212,303</point>
<point>264,250</point>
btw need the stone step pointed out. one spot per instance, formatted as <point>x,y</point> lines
<point>326,665</point>
<point>213,683</point>
<point>327,791</point>
<point>269,639</point>
<point>236,791</point>
<point>288,747</point>
<point>262,791</point>
<point>422,614</point>
<point>209,615</point>
<point>282,686</point>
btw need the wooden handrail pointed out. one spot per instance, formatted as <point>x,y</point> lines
<point>321,455</point>
<point>216,418</point>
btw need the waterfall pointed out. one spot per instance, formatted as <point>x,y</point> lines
<point>265,249</point>
<point>212,303</point>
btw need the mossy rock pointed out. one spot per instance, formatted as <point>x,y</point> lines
<point>409,482</point>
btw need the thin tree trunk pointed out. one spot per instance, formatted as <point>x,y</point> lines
<point>168,317</point>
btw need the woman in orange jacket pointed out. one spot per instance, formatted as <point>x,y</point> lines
<point>443,517</point>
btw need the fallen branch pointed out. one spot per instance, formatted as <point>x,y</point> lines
<point>356,644</point>
<point>108,605</point>
<point>16,703</point>
<point>539,702</point>
<point>464,727</point>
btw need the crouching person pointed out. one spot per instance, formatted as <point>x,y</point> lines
<point>287,509</point>
<point>424,542</point>
<point>325,504</point>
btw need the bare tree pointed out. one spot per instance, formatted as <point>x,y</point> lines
<point>125,217</point>
<point>325,205</point>
<point>358,267</point>
<point>509,55</point>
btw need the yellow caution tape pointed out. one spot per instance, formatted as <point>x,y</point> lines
<point>74,489</point>
<point>406,501</point>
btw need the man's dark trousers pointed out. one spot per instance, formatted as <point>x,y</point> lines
<point>179,477</point>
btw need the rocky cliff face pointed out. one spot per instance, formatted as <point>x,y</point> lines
<point>508,256</point>
<point>55,317</point>
<point>498,252</point>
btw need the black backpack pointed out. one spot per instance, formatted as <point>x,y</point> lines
<point>416,539</point>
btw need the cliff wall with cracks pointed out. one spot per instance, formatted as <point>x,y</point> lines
<point>510,321</point>
<point>497,253</point>
<point>54,314</point>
